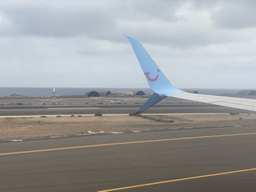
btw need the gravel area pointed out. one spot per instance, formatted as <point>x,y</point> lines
<point>26,127</point>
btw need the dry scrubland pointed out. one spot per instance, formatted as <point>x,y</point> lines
<point>45,126</point>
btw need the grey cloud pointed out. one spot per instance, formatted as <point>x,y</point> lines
<point>43,22</point>
<point>186,39</point>
<point>236,15</point>
<point>101,24</point>
<point>158,9</point>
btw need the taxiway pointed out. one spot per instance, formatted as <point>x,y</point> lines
<point>216,159</point>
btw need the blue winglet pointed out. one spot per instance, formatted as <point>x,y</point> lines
<point>155,98</point>
<point>155,77</point>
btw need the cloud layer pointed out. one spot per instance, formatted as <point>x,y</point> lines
<point>80,43</point>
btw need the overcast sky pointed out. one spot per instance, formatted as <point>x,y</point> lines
<point>68,43</point>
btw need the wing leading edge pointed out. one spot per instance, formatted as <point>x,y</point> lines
<point>163,88</point>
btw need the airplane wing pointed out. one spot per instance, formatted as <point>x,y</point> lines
<point>233,102</point>
<point>163,88</point>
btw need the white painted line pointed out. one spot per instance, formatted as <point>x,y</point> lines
<point>91,132</point>
<point>117,133</point>
<point>74,108</point>
<point>21,109</point>
<point>101,132</point>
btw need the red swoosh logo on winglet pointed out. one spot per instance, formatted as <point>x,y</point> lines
<point>147,73</point>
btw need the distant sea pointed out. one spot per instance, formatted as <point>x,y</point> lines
<point>38,92</point>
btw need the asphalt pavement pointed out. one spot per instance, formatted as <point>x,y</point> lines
<point>110,109</point>
<point>215,159</point>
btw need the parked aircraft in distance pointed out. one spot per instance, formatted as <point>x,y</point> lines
<point>163,88</point>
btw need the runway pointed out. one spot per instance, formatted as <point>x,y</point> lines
<point>216,159</point>
<point>110,109</point>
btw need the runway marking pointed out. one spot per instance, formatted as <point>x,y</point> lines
<point>182,179</point>
<point>124,143</point>
<point>72,108</point>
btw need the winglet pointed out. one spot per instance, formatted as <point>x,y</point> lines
<point>155,77</point>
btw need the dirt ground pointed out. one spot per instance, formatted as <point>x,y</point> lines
<point>26,127</point>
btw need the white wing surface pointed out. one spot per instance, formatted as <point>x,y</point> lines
<point>238,103</point>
